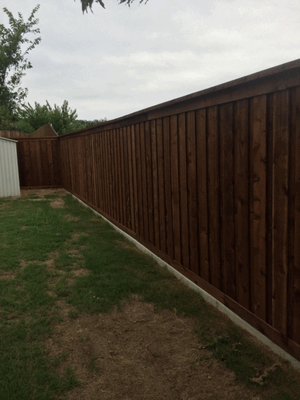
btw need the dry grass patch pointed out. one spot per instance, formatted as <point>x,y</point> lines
<point>70,218</point>
<point>9,276</point>
<point>57,203</point>
<point>139,354</point>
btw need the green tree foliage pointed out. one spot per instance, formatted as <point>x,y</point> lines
<point>83,123</point>
<point>6,119</point>
<point>16,41</point>
<point>87,4</point>
<point>62,119</point>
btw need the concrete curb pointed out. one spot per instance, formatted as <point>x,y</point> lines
<point>207,297</point>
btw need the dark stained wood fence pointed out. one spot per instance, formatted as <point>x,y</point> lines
<point>39,163</point>
<point>210,183</point>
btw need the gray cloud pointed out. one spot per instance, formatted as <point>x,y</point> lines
<point>120,60</point>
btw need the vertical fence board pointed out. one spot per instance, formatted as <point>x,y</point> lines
<point>50,170</point>
<point>291,210</point>
<point>95,168</point>
<point>144,183</point>
<point>161,186</point>
<point>135,188</point>
<point>97,172</point>
<point>122,179</point>
<point>139,183</point>
<point>102,172</point>
<point>269,210</point>
<point>168,186</point>
<point>155,183</point>
<point>280,211</point>
<point>241,169</point>
<point>294,306</point>
<point>130,174</point>
<point>192,191</point>
<point>119,174</point>
<point>202,177</point>
<point>258,206</point>
<point>175,188</point>
<point>183,190</point>
<point>127,178</point>
<point>108,172</point>
<point>149,182</point>
<point>213,181</point>
<point>227,200</point>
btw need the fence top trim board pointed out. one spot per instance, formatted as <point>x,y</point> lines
<point>272,79</point>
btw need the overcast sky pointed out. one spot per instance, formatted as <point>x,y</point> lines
<point>121,60</point>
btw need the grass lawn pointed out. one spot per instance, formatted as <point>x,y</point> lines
<point>59,262</point>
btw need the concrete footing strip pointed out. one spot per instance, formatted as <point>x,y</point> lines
<point>207,297</point>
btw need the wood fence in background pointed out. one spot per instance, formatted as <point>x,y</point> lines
<point>39,163</point>
<point>209,182</point>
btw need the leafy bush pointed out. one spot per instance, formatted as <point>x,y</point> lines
<point>62,119</point>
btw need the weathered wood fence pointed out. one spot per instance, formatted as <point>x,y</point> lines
<point>210,183</point>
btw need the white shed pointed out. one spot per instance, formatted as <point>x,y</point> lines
<point>9,173</point>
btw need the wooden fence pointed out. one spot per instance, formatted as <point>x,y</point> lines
<point>39,163</point>
<point>210,183</point>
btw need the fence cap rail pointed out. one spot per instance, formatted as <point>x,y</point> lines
<point>158,110</point>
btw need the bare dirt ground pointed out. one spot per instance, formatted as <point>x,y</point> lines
<point>137,354</point>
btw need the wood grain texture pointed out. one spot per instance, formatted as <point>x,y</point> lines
<point>202,192</point>
<point>175,189</point>
<point>184,223</point>
<point>241,195</point>
<point>227,200</point>
<point>210,183</point>
<point>258,205</point>
<point>192,192</point>
<point>213,189</point>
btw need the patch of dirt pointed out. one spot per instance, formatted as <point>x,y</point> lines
<point>137,354</point>
<point>74,252</point>
<point>70,218</point>
<point>57,203</point>
<point>41,193</point>
<point>261,379</point>
<point>64,309</point>
<point>9,276</point>
<point>80,272</point>
<point>50,264</point>
<point>128,245</point>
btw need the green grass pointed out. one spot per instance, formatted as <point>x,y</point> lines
<point>40,246</point>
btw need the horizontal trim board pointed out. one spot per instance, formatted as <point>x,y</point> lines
<point>267,81</point>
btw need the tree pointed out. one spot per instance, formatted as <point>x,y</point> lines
<point>87,4</point>
<point>16,42</point>
<point>83,123</point>
<point>62,119</point>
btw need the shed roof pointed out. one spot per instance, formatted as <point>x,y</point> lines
<point>8,140</point>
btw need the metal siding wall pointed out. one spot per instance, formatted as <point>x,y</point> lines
<point>9,174</point>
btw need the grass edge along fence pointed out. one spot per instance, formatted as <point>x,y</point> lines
<point>210,183</point>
